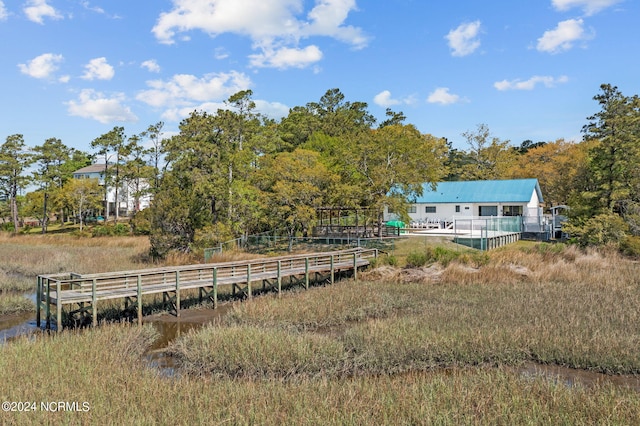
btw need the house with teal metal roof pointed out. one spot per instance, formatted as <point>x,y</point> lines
<point>467,199</point>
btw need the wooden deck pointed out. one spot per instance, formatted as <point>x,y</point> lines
<point>81,293</point>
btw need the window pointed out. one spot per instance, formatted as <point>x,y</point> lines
<point>488,211</point>
<point>411,209</point>
<point>457,209</point>
<point>512,211</point>
<point>430,209</point>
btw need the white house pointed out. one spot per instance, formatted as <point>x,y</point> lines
<point>126,193</point>
<point>497,198</point>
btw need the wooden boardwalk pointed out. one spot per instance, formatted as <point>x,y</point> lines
<point>81,293</point>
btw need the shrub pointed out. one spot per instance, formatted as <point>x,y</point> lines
<point>603,229</point>
<point>101,231</point>
<point>386,259</point>
<point>444,256</point>
<point>417,259</point>
<point>120,229</point>
<point>630,246</point>
<point>141,223</point>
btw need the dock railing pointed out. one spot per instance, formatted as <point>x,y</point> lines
<point>86,290</point>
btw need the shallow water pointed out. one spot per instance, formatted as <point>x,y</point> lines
<point>171,327</point>
<point>14,326</point>
<point>572,377</point>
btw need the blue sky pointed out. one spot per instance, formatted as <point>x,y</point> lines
<point>528,69</point>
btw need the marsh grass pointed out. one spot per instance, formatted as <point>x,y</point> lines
<point>432,351</point>
<point>32,255</point>
<point>24,257</point>
<point>575,309</point>
<point>14,304</point>
<point>102,366</point>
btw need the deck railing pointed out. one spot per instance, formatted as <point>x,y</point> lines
<point>86,290</point>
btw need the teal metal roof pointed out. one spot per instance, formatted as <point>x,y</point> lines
<point>481,191</point>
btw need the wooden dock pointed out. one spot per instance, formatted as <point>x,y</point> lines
<point>82,293</point>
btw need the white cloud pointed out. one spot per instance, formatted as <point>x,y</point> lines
<point>41,66</point>
<point>589,7</point>
<point>189,90</point>
<point>97,106</point>
<point>327,18</point>
<point>286,57</point>
<point>220,53</point>
<point>98,68</point>
<point>275,110</point>
<point>3,12</point>
<point>442,96</point>
<point>384,99</point>
<point>151,65</point>
<point>275,27</point>
<point>36,10</point>
<point>530,84</point>
<point>179,113</point>
<point>463,40</point>
<point>562,37</point>
<point>96,9</point>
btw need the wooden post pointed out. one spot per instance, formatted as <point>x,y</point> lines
<point>48,308</point>
<point>94,307</point>
<point>306,273</point>
<point>58,307</point>
<point>355,267</point>
<point>249,280</point>
<point>332,270</point>
<point>279,277</point>
<point>215,288</point>
<point>139,292</point>
<point>178,293</point>
<point>39,301</point>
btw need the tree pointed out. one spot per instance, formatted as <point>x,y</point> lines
<point>82,196</point>
<point>388,166</point>
<point>527,145</point>
<point>294,184</point>
<point>154,133</point>
<point>14,160</point>
<point>337,117</point>
<point>110,144</point>
<point>491,157</point>
<point>136,174</point>
<point>393,118</point>
<point>558,166</point>
<point>178,211</point>
<point>49,175</point>
<point>613,161</point>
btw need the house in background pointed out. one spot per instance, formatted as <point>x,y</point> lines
<point>482,198</point>
<point>127,203</point>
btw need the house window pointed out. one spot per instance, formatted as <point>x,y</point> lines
<point>488,211</point>
<point>512,211</point>
<point>411,209</point>
<point>430,209</point>
<point>457,209</point>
